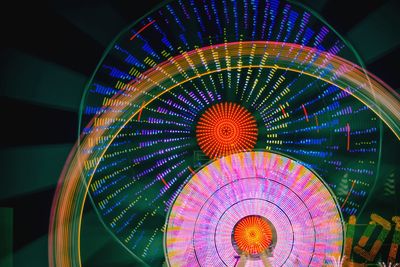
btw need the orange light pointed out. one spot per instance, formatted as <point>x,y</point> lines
<point>252,235</point>
<point>226,128</point>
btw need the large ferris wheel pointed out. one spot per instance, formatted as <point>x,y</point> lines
<point>225,133</point>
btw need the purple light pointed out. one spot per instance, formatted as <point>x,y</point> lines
<point>297,203</point>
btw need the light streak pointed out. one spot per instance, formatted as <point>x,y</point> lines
<point>305,112</point>
<point>348,194</point>
<point>283,110</point>
<point>163,180</point>
<point>191,170</point>
<point>141,110</point>
<point>142,29</point>
<point>348,136</point>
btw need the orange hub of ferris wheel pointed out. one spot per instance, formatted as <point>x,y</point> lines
<point>252,235</point>
<point>226,128</point>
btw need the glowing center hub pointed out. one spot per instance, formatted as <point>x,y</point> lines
<point>226,128</point>
<point>252,234</point>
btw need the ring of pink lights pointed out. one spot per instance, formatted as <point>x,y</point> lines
<point>302,210</point>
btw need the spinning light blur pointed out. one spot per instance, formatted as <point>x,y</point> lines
<point>236,190</point>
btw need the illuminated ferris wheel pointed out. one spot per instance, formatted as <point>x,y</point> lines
<point>226,133</point>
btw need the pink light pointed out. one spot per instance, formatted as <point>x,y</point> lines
<point>297,203</point>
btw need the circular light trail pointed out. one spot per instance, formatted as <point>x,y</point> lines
<point>226,128</point>
<point>232,195</point>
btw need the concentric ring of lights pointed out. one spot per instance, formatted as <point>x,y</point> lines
<point>226,128</point>
<point>297,203</point>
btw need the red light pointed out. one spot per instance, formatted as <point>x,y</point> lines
<point>226,128</point>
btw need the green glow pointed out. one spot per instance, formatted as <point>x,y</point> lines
<point>17,180</point>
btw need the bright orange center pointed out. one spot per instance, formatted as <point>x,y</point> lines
<point>226,128</point>
<point>252,235</point>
